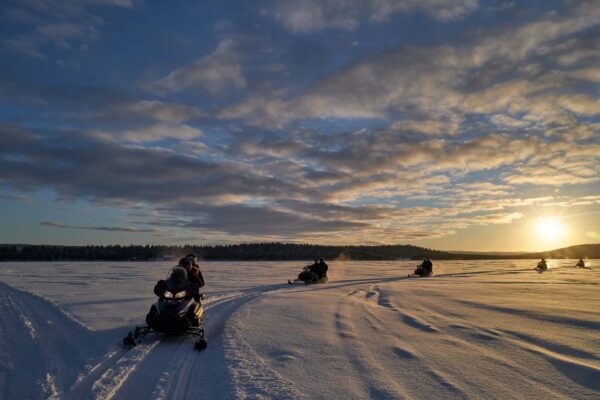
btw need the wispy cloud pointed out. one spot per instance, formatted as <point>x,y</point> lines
<point>155,132</point>
<point>174,113</point>
<point>211,73</point>
<point>445,81</point>
<point>312,15</point>
<point>500,218</point>
<point>16,198</point>
<point>62,23</point>
<point>126,229</point>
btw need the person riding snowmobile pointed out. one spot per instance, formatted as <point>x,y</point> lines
<point>193,276</point>
<point>425,269</point>
<point>178,310</point>
<point>315,273</point>
<point>194,270</point>
<point>542,265</point>
<point>308,273</point>
<point>320,268</point>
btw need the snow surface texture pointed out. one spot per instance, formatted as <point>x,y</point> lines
<point>492,329</point>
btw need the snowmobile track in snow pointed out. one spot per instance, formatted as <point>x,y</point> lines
<point>164,367</point>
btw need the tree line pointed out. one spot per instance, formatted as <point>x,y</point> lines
<point>263,252</point>
<point>233,252</point>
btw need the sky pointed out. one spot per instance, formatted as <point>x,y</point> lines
<point>450,124</point>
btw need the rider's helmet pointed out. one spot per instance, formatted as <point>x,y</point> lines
<point>186,263</point>
<point>192,258</point>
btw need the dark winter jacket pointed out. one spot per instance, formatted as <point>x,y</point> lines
<point>428,267</point>
<point>195,276</point>
<point>321,269</point>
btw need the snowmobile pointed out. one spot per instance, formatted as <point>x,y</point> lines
<point>307,276</point>
<point>176,312</point>
<point>541,267</point>
<point>422,271</point>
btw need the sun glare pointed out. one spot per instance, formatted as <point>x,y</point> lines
<point>549,228</point>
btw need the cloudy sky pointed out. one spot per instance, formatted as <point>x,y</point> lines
<point>453,124</point>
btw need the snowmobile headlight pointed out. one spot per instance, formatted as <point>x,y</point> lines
<point>168,295</point>
<point>180,295</point>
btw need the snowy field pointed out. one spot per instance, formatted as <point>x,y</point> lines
<point>480,330</point>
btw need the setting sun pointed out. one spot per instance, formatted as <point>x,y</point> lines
<point>549,229</point>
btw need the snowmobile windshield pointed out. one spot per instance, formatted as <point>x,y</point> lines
<point>177,280</point>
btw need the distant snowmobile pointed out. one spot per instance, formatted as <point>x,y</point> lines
<point>176,312</point>
<point>423,270</point>
<point>581,264</point>
<point>541,266</point>
<point>316,273</point>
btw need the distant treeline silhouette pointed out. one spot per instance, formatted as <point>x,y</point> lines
<point>234,252</point>
<point>263,252</point>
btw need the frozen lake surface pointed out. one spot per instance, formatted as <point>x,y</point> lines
<point>476,329</point>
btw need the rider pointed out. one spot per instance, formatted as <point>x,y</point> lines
<point>195,278</point>
<point>542,265</point>
<point>580,263</point>
<point>320,268</point>
<point>309,274</point>
<point>194,273</point>
<point>425,269</point>
<point>429,267</point>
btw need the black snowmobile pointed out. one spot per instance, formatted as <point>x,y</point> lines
<point>541,266</point>
<point>308,276</point>
<point>176,312</point>
<point>424,270</point>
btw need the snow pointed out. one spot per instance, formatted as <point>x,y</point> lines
<point>476,329</point>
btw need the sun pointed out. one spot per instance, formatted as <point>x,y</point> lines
<point>549,228</point>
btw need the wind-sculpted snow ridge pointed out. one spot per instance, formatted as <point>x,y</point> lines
<point>493,329</point>
<point>43,350</point>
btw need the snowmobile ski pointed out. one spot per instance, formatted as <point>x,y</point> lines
<point>136,336</point>
<point>298,282</point>
<point>200,344</point>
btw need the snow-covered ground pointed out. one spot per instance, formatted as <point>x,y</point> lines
<point>492,329</point>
